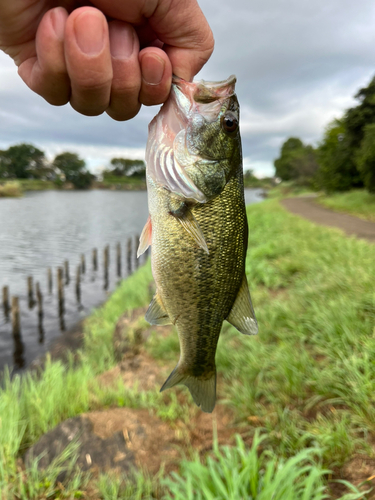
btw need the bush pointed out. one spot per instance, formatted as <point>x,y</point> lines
<point>365,158</point>
<point>337,170</point>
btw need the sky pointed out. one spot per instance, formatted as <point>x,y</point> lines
<point>298,64</point>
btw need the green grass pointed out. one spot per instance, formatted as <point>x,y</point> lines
<point>116,182</point>
<point>309,375</point>
<point>286,189</point>
<point>232,473</point>
<point>307,381</point>
<point>36,185</point>
<point>357,202</point>
<point>308,378</point>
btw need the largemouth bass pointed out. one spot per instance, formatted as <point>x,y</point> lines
<point>197,227</point>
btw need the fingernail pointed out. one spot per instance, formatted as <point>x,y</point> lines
<point>58,19</point>
<point>121,39</point>
<point>152,69</point>
<point>89,32</point>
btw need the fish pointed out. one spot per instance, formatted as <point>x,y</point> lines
<point>197,227</point>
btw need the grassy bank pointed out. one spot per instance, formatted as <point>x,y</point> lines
<point>36,185</point>
<point>121,183</point>
<point>308,379</point>
<point>287,189</point>
<point>17,187</point>
<point>304,386</point>
<point>357,202</point>
<point>10,189</point>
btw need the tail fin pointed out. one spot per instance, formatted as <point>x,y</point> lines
<point>203,390</point>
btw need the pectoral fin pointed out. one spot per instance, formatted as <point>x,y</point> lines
<point>191,226</point>
<point>145,238</point>
<point>242,314</point>
<point>156,314</point>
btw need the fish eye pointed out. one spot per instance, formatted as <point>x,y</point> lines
<point>229,122</point>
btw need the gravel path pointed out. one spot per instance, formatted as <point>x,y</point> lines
<point>353,226</point>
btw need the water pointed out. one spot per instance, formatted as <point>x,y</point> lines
<point>42,230</point>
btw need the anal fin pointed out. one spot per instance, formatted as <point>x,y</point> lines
<point>145,238</point>
<point>242,314</point>
<point>156,314</point>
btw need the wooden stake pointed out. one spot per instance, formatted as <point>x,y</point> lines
<point>106,265</point>
<point>49,280</point>
<point>60,288</point>
<point>39,299</point>
<point>16,324</point>
<point>95,259</point>
<point>83,263</point>
<point>6,305</point>
<point>78,284</point>
<point>119,260</point>
<point>30,291</point>
<point>129,255</point>
<point>19,359</point>
<point>66,269</point>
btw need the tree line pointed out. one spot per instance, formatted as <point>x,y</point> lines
<point>26,161</point>
<point>344,158</point>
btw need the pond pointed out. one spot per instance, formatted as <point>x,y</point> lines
<point>44,229</point>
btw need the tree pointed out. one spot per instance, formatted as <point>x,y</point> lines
<point>283,165</point>
<point>297,161</point>
<point>3,170</point>
<point>358,117</point>
<point>124,166</point>
<point>365,158</point>
<point>74,169</point>
<point>337,169</point>
<point>22,161</point>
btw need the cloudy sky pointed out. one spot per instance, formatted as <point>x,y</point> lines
<point>298,64</point>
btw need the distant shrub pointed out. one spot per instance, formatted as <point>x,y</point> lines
<point>10,189</point>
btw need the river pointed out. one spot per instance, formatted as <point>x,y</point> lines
<point>43,229</point>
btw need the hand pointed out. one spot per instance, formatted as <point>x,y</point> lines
<point>91,57</point>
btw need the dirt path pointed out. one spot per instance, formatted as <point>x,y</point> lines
<point>306,207</point>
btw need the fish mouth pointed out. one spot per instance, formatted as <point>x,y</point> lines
<point>204,92</point>
<point>202,97</point>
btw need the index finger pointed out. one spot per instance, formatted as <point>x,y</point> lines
<point>179,24</point>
